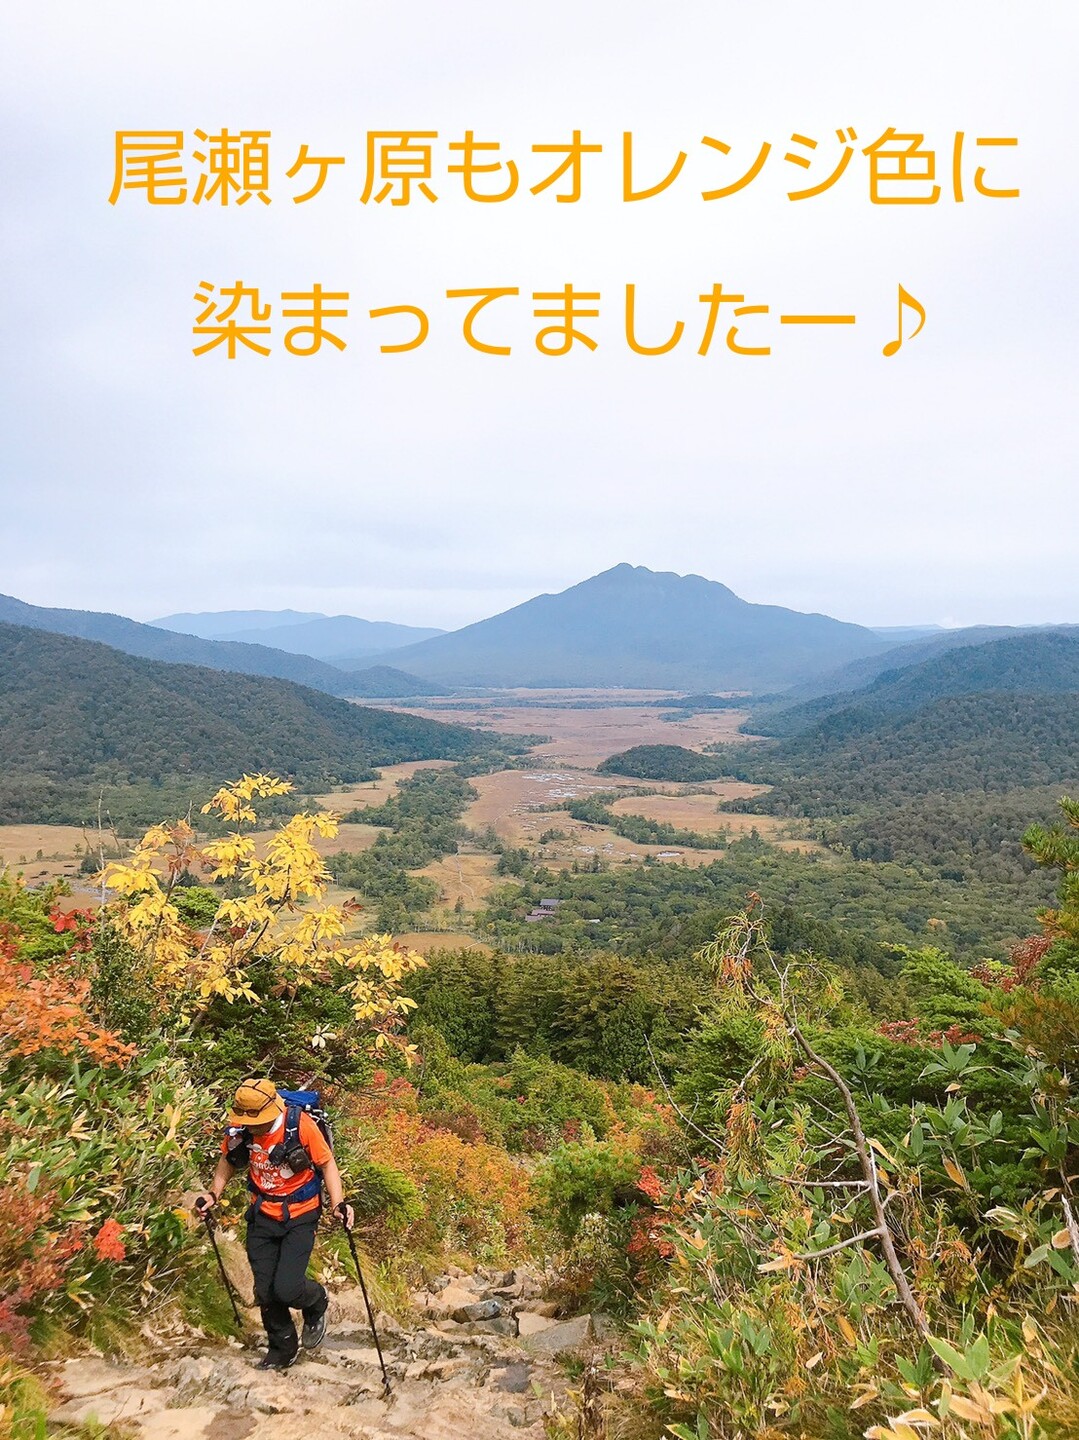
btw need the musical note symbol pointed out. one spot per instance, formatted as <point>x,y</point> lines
<point>905,298</point>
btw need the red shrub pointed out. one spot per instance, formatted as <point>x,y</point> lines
<point>33,1263</point>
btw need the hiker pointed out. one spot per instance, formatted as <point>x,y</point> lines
<point>288,1159</point>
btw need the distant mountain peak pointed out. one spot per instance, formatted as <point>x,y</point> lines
<point>635,627</point>
<point>640,577</point>
<point>213,624</point>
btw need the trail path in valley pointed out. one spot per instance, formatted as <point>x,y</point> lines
<point>491,1373</point>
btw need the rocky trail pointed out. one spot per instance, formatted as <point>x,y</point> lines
<point>480,1360</point>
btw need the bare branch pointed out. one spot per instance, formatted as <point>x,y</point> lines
<point>1073,1228</point>
<point>873,1234</point>
<point>867,1162</point>
<point>825,1184</point>
<point>692,1125</point>
<point>869,1169</point>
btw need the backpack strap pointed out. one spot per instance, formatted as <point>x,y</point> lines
<point>292,1125</point>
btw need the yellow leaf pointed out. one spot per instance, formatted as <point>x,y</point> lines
<point>847,1330</point>
<point>879,1148</point>
<point>1062,1239</point>
<point>781,1262</point>
<point>954,1173</point>
<point>918,1417</point>
<point>967,1410</point>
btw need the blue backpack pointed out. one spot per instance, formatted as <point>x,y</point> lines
<point>309,1102</point>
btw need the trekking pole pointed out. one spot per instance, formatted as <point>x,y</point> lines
<point>370,1313</point>
<point>208,1220</point>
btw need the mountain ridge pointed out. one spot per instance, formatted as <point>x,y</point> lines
<point>1039,663</point>
<point>214,624</point>
<point>334,637</point>
<point>77,713</point>
<point>132,637</point>
<point>637,627</point>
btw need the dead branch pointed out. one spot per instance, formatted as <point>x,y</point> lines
<point>685,1119</point>
<point>867,1162</point>
<point>846,1244</point>
<point>1073,1228</point>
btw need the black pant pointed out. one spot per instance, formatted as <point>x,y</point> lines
<point>279,1252</point>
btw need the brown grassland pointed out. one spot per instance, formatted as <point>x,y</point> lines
<point>584,737</point>
<point>519,805</point>
<point>426,942</point>
<point>61,848</point>
<point>374,792</point>
<point>468,876</point>
<point>695,809</point>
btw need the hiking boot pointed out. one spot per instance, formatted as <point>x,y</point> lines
<point>314,1332</point>
<point>273,1361</point>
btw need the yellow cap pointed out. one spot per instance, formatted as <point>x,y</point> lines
<point>256,1103</point>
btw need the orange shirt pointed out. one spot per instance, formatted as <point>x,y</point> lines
<point>282,1180</point>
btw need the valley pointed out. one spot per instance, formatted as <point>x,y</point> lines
<point>577,967</point>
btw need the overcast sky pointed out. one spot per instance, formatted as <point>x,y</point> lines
<point>442,485</point>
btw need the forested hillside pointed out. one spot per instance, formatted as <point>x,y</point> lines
<point>936,764</point>
<point>384,682</point>
<point>904,651</point>
<point>1043,663</point>
<point>966,742</point>
<point>76,716</point>
<point>663,762</point>
<point>151,643</point>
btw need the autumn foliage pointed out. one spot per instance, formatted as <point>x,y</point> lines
<point>34,1257</point>
<point>474,1197</point>
<point>49,1012</point>
<point>273,918</point>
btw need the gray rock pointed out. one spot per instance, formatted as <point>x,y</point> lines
<point>447,1368</point>
<point>604,1328</point>
<point>480,1310</point>
<point>500,1325</point>
<point>566,1335</point>
<point>444,1302</point>
<point>514,1379</point>
<point>531,1283</point>
<point>509,1292</point>
<point>549,1308</point>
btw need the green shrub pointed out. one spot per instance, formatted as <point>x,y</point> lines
<point>99,1157</point>
<point>197,904</point>
<point>585,1179</point>
<point>379,1192</point>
